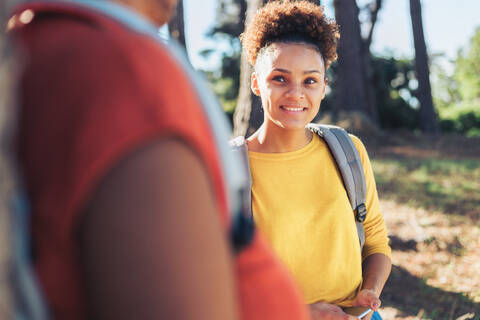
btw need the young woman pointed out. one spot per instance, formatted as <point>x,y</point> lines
<point>298,198</point>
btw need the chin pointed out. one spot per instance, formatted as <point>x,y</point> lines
<point>293,125</point>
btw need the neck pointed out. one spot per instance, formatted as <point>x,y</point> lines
<point>270,138</point>
<point>148,9</point>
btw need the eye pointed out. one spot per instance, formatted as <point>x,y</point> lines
<point>279,79</point>
<point>310,81</point>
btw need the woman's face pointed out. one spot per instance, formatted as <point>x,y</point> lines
<point>290,79</point>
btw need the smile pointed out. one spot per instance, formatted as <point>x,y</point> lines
<point>293,109</point>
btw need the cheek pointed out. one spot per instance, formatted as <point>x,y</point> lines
<point>266,93</point>
<point>317,95</point>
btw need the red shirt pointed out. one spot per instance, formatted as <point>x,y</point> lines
<point>92,91</point>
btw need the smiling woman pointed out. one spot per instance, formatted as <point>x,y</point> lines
<point>290,79</point>
<point>298,197</point>
<point>290,46</point>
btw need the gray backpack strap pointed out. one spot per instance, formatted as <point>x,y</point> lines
<point>29,300</point>
<point>243,226</point>
<point>350,165</point>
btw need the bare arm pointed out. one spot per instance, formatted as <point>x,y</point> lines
<point>152,243</point>
<point>376,269</point>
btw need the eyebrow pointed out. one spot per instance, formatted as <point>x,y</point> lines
<point>304,72</point>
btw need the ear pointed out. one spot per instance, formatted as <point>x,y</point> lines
<point>324,87</point>
<point>254,84</point>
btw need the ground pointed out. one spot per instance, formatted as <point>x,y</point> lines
<point>429,188</point>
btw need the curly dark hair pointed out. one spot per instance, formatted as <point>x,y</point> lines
<point>291,22</point>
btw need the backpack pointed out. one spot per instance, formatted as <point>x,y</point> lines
<point>348,163</point>
<point>29,299</point>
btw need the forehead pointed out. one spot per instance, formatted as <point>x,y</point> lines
<point>290,56</point>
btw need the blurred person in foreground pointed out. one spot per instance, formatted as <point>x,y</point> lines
<point>6,181</point>
<point>298,196</point>
<point>124,161</point>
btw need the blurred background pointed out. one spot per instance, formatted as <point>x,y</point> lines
<point>407,81</point>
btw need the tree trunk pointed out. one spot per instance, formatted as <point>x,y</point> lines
<point>351,88</point>
<point>246,111</point>
<point>176,26</point>
<point>428,118</point>
<point>375,7</point>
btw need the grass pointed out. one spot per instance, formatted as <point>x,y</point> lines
<point>448,186</point>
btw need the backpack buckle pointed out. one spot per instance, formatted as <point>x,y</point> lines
<point>361,212</point>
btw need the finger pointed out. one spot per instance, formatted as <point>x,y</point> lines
<point>371,300</point>
<point>375,304</point>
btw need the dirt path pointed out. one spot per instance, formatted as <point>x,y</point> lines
<point>436,265</point>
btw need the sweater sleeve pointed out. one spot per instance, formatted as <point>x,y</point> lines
<point>376,235</point>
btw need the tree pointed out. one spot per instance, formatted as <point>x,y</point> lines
<point>428,117</point>
<point>248,113</point>
<point>373,8</point>
<point>244,117</point>
<point>351,90</point>
<point>176,26</point>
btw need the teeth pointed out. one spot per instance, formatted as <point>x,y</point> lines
<point>293,109</point>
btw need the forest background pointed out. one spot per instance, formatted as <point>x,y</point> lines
<point>416,108</point>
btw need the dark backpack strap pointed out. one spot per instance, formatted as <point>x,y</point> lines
<point>350,165</point>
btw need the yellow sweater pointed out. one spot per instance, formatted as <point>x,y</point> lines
<point>302,208</point>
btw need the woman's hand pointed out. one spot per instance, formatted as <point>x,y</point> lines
<point>367,298</point>
<point>326,311</point>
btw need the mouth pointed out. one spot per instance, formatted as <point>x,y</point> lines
<point>293,109</point>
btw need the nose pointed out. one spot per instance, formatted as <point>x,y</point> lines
<point>295,91</point>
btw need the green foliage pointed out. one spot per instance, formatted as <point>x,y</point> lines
<point>229,25</point>
<point>462,118</point>
<point>394,89</point>
<point>457,96</point>
<point>467,72</point>
<point>394,84</point>
<point>224,89</point>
